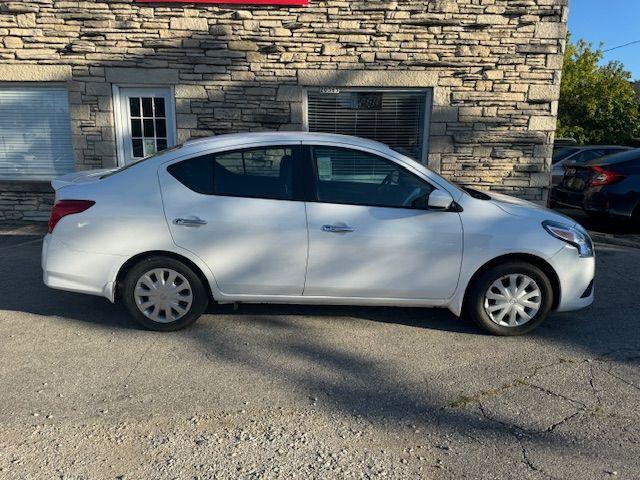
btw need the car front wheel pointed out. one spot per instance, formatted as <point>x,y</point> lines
<point>164,294</point>
<point>510,299</point>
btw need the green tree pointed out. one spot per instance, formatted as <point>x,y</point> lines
<point>598,104</point>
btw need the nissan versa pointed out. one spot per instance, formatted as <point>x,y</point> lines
<point>309,218</point>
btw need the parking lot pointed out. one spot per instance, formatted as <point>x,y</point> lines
<point>314,392</point>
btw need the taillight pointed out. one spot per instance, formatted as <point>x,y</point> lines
<point>604,177</point>
<point>62,208</point>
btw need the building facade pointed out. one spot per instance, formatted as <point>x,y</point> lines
<point>469,87</point>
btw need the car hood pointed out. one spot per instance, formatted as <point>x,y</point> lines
<point>523,208</point>
<point>80,177</point>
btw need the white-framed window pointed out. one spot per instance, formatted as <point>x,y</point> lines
<point>35,132</point>
<point>397,117</point>
<point>145,121</point>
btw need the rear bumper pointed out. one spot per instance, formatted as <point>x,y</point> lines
<point>611,201</point>
<point>77,271</point>
<point>567,198</point>
<point>576,276</point>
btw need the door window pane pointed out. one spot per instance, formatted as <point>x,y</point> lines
<point>159,106</point>
<point>134,106</point>
<point>149,146</point>
<point>161,127</point>
<point>147,109</point>
<point>138,151</point>
<point>136,127</point>
<point>359,178</point>
<point>148,128</point>
<point>260,172</point>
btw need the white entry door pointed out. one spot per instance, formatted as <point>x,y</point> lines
<point>146,122</point>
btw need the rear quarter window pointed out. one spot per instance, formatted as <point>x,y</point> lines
<point>196,174</point>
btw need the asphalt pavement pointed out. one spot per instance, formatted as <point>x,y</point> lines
<point>314,392</point>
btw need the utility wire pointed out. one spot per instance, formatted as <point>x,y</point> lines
<point>621,46</point>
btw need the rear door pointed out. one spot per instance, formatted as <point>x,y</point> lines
<point>239,211</point>
<point>366,239</point>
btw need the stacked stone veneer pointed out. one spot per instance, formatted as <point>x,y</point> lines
<point>494,66</point>
<point>24,205</point>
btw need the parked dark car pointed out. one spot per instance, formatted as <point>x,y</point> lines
<point>608,185</point>
<point>563,154</point>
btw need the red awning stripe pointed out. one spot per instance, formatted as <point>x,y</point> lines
<point>244,2</point>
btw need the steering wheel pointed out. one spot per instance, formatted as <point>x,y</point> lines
<point>387,182</point>
<point>417,193</point>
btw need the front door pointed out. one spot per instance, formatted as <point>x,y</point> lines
<point>238,211</point>
<point>365,238</point>
<point>145,122</point>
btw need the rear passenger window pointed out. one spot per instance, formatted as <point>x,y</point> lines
<point>257,173</point>
<point>260,172</point>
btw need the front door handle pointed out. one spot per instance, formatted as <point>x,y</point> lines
<point>190,222</point>
<point>337,229</point>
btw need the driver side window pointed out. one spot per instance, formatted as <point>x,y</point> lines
<point>359,178</point>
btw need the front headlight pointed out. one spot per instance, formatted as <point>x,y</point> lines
<point>573,236</point>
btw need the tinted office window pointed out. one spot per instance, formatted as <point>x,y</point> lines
<point>394,117</point>
<point>359,178</point>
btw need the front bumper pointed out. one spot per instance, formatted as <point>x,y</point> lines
<point>77,271</point>
<point>576,276</point>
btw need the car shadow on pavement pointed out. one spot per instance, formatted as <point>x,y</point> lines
<point>429,318</point>
<point>26,292</point>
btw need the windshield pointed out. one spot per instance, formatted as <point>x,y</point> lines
<point>125,167</point>
<point>560,153</point>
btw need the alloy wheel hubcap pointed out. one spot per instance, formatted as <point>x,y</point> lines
<point>513,300</point>
<point>163,295</point>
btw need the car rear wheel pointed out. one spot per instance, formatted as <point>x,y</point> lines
<point>164,294</point>
<point>510,299</point>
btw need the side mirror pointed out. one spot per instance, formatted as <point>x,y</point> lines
<point>439,200</point>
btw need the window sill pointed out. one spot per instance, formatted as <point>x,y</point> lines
<point>40,186</point>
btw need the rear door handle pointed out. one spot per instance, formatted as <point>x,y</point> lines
<point>190,222</point>
<point>337,229</point>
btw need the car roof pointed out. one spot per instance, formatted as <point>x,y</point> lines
<point>626,156</point>
<point>594,147</point>
<point>239,139</point>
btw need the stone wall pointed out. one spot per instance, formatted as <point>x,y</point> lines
<point>25,202</point>
<point>494,66</point>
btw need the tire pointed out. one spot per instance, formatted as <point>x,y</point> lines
<point>172,308</point>
<point>484,293</point>
<point>635,217</point>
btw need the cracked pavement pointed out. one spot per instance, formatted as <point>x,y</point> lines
<point>315,392</point>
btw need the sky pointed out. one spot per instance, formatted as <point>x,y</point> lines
<point>612,22</point>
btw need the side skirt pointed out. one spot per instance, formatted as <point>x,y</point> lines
<point>315,300</point>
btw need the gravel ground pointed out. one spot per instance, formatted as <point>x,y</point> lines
<point>310,392</point>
